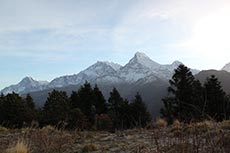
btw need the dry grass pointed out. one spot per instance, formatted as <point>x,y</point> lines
<point>161,123</point>
<point>180,138</point>
<point>3,130</point>
<point>20,147</point>
<point>225,125</point>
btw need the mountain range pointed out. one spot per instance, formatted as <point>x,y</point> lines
<point>140,74</point>
<point>139,69</point>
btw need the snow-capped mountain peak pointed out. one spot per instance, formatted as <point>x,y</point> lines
<point>27,80</point>
<point>143,60</point>
<point>176,63</point>
<point>172,66</point>
<point>140,55</point>
<point>115,66</point>
<point>138,67</point>
<point>226,67</point>
<point>27,84</point>
<point>98,70</point>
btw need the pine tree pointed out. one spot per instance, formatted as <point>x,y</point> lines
<point>99,101</point>
<point>215,98</point>
<point>32,113</point>
<point>75,100</point>
<point>14,111</point>
<point>198,101</point>
<point>125,115</point>
<point>169,110</point>
<point>30,102</point>
<point>76,118</point>
<point>184,96</point>
<point>86,98</point>
<point>115,104</point>
<point>139,111</point>
<point>56,107</point>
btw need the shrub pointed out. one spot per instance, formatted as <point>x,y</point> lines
<point>161,123</point>
<point>176,128</point>
<point>176,124</point>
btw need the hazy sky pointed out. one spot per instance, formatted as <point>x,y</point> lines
<point>49,38</point>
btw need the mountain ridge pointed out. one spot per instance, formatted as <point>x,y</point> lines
<point>138,69</point>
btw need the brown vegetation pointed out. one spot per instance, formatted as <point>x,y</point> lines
<point>200,137</point>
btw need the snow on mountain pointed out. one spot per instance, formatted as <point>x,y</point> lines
<point>173,66</point>
<point>141,66</point>
<point>91,74</point>
<point>226,67</point>
<point>115,66</point>
<point>27,84</point>
<point>144,60</point>
<point>140,69</point>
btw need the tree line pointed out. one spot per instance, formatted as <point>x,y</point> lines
<point>85,108</point>
<point>188,100</point>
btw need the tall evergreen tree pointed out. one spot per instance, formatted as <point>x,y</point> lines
<point>169,110</point>
<point>86,99</point>
<point>215,98</point>
<point>183,97</point>
<point>99,101</point>
<point>76,119</point>
<point>139,111</point>
<point>32,113</point>
<point>56,107</point>
<point>126,115</point>
<point>30,102</point>
<point>14,111</point>
<point>75,100</point>
<point>115,104</point>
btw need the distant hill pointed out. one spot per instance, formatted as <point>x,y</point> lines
<point>223,77</point>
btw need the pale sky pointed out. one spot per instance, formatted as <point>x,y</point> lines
<point>45,39</point>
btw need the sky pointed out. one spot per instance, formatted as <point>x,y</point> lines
<point>45,39</point>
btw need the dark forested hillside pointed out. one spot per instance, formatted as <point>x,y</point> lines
<point>223,77</point>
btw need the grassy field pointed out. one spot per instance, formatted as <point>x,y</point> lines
<point>210,137</point>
